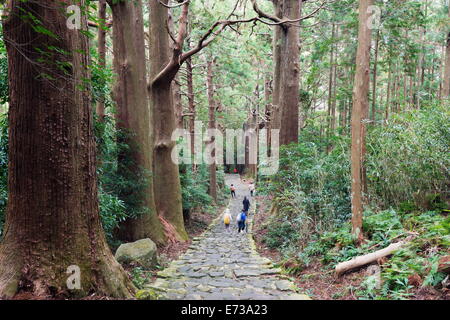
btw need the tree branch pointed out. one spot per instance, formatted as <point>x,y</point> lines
<point>283,21</point>
<point>174,6</point>
<point>263,14</point>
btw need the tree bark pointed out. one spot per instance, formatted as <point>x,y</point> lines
<point>52,218</point>
<point>134,120</point>
<point>268,111</point>
<point>290,74</point>
<point>360,107</point>
<point>166,176</point>
<point>375,74</point>
<point>277,59</point>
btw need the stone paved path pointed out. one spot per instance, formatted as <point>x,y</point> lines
<point>221,265</point>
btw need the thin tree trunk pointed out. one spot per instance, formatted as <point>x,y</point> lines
<point>388,93</point>
<point>375,71</point>
<point>330,88</point>
<point>268,111</point>
<point>396,105</point>
<point>191,105</point>
<point>411,92</point>
<point>278,59</point>
<point>442,73</point>
<point>134,120</point>
<point>212,126</point>
<point>446,87</point>
<point>101,51</point>
<point>52,218</point>
<point>360,104</point>
<point>176,86</point>
<point>166,179</point>
<point>422,60</point>
<point>334,100</point>
<point>405,92</point>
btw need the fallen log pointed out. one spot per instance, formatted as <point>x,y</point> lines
<point>368,258</point>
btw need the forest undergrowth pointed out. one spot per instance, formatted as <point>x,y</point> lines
<point>305,222</point>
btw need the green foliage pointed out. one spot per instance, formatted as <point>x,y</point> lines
<point>101,82</point>
<point>280,234</point>
<point>311,191</point>
<point>4,94</point>
<point>120,182</point>
<point>138,277</point>
<point>3,169</point>
<point>194,190</point>
<point>407,167</point>
<point>408,160</point>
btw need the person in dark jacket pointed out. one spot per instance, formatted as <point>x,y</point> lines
<point>246,204</point>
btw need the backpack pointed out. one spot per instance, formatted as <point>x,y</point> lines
<point>238,218</point>
<point>226,219</point>
<point>243,216</point>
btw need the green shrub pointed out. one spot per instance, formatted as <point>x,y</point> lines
<point>194,190</point>
<point>409,159</point>
<point>3,169</point>
<point>279,235</point>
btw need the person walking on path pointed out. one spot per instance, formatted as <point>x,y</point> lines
<point>251,187</point>
<point>246,204</point>
<point>233,191</point>
<point>241,221</point>
<point>227,219</point>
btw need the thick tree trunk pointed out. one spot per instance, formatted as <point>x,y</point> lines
<point>211,126</point>
<point>290,74</point>
<point>360,107</point>
<point>134,119</point>
<point>101,38</point>
<point>167,186</point>
<point>52,219</point>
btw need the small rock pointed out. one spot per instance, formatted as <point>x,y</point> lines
<point>284,285</point>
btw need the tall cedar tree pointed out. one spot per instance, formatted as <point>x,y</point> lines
<point>134,119</point>
<point>359,112</point>
<point>52,218</point>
